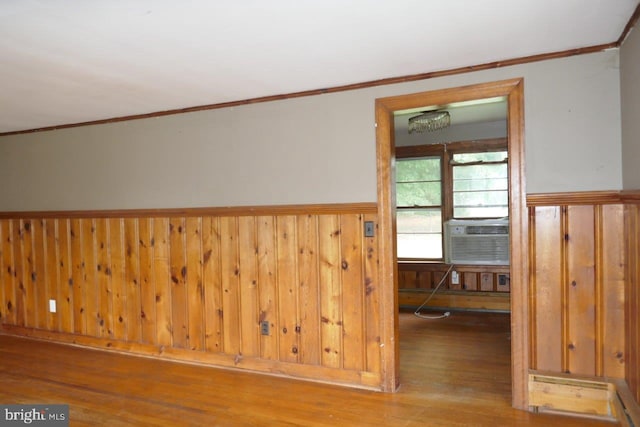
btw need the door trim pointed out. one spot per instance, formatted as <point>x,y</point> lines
<point>513,90</point>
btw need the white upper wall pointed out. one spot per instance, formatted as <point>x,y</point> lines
<point>318,149</point>
<point>630,90</point>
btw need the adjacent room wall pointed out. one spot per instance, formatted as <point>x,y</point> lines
<point>318,149</point>
<point>630,97</point>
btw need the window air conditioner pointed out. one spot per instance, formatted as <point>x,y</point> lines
<point>480,242</point>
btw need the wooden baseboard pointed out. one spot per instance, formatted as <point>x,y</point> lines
<point>320,374</point>
<point>490,301</point>
<point>592,397</point>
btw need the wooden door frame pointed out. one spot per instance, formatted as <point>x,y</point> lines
<point>513,90</point>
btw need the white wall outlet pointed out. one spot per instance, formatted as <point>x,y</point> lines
<point>455,278</point>
<point>52,306</point>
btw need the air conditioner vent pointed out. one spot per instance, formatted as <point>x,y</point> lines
<point>487,229</point>
<point>481,242</point>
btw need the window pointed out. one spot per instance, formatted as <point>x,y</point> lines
<point>434,183</point>
<point>419,207</point>
<point>480,185</point>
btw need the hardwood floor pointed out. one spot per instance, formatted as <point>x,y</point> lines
<point>454,372</point>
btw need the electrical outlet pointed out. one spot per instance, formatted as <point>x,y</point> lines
<point>264,327</point>
<point>455,278</point>
<point>52,306</point>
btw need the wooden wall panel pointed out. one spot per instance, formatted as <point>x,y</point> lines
<point>580,290</point>
<point>212,280</point>
<point>19,260</point>
<point>576,289</point>
<point>307,232</point>
<point>197,287</point>
<point>632,297</point>
<point>51,268</point>
<point>90,276</point>
<point>267,285</point>
<point>230,271</point>
<point>76,283</point>
<point>132,280</point>
<point>546,286</point>
<point>287,294</point>
<point>474,290</point>
<point>249,323</point>
<point>330,291</point>
<point>7,273</point>
<point>147,281</point>
<point>371,300</point>
<point>39,274</point>
<point>611,291</point>
<point>194,284</point>
<point>29,285</point>
<point>162,281</point>
<point>351,264</point>
<point>118,288</point>
<point>178,271</point>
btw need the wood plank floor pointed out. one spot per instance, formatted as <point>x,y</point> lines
<point>454,372</point>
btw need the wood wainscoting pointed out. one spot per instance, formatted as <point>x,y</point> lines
<point>577,283</point>
<point>478,287</point>
<point>632,306</point>
<point>285,290</point>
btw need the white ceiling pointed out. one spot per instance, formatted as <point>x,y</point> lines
<point>71,61</point>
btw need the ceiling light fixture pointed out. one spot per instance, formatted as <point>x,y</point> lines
<point>429,121</point>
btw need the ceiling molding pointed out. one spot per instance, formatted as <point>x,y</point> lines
<point>343,88</point>
<point>630,25</point>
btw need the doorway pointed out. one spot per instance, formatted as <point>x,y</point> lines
<point>385,107</point>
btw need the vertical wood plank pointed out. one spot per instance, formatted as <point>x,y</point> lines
<point>423,279</point>
<point>132,280</point>
<point>487,282</point>
<point>118,284</point>
<point>3,275</point>
<point>8,275</point>
<point>65,294</point>
<point>612,296</point>
<point>178,263</point>
<point>213,284</point>
<point>581,310</point>
<point>546,288</point>
<point>162,275</point>
<point>632,298</point>
<point>90,276</point>
<point>330,290</point>
<point>18,271</point>
<point>470,281</point>
<point>287,288</point>
<point>309,290</point>
<point>29,274</point>
<point>147,281</point>
<point>105,299</point>
<point>51,267</point>
<point>248,249</point>
<point>40,306</point>
<point>268,286</point>
<point>230,284</point>
<point>194,285</point>
<point>371,300</point>
<point>352,296</point>
<point>438,276</point>
<point>77,279</point>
